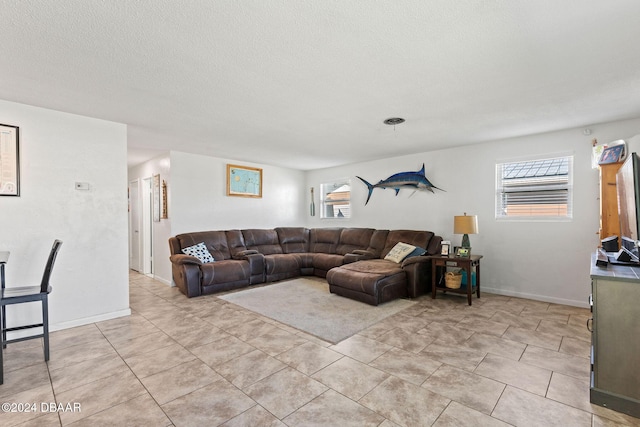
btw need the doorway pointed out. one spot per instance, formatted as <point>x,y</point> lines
<point>147,226</point>
<point>141,226</point>
<point>134,226</point>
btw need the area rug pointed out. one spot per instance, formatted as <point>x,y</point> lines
<point>307,304</point>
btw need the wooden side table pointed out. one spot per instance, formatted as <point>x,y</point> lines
<point>467,263</point>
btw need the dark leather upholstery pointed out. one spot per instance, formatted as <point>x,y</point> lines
<point>293,239</point>
<point>324,240</point>
<point>375,281</point>
<point>216,242</point>
<point>372,281</point>
<point>322,263</point>
<point>264,241</point>
<point>415,238</point>
<point>350,258</point>
<point>353,239</point>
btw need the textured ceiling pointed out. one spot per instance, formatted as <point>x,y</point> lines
<point>307,84</point>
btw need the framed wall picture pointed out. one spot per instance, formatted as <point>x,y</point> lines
<point>165,213</point>
<point>9,160</point>
<point>244,181</point>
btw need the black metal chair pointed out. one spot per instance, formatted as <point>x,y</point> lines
<point>23,294</point>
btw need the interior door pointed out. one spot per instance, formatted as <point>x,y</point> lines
<point>134,226</point>
<point>146,230</point>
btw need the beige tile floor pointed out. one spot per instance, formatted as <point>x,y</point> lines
<point>204,362</point>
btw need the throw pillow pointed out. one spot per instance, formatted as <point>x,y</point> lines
<point>400,252</point>
<point>199,251</point>
<point>416,252</point>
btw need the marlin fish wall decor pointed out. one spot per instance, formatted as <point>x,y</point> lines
<point>416,180</point>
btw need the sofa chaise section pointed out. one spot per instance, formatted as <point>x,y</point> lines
<point>376,280</point>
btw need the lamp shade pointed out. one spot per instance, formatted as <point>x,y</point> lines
<point>467,224</point>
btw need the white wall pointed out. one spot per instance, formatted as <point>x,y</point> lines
<point>90,280</point>
<point>161,230</point>
<point>547,261</point>
<point>197,200</point>
<point>200,201</point>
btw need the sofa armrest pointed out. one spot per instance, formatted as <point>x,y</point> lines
<point>187,277</point>
<point>256,264</point>
<point>358,255</point>
<point>256,267</point>
<point>364,253</point>
<point>416,259</point>
<point>244,254</point>
<point>418,271</point>
<point>184,259</point>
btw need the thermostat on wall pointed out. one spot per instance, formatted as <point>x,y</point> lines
<point>82,185</point>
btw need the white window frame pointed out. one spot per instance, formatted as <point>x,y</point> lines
<point>541,190</point>
<point>329,205</point>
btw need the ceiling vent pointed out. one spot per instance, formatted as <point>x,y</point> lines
<point>392,121</point>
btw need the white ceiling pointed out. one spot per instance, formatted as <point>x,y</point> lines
<point>307,84</point>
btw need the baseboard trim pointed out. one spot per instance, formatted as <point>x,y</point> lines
<point>163,280</point>
<point>88,320</point>
<point>508,293</point>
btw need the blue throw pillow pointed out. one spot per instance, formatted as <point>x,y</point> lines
<point>416,252</point>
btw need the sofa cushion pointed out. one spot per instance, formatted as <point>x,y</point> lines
<point>325,262</point>
<point>199,251</point>
<point>324,240</point>
<point>235,241</point>
<point>435,246</point>
<point>373,266</point>
<point>282,265</point>
<point>352,239</point>
<point>264,241</point>
<point>293,239</point>
<point>416,238</point>
<point>376,245</point>
<point>225,271</point>
<point>215,241</point>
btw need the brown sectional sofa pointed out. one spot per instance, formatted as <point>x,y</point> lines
<point>352,260</point>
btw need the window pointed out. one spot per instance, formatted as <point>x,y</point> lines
<point>335,199</point>
<point>536,189</point>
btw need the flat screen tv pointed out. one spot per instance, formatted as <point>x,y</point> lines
<point>628,188</point>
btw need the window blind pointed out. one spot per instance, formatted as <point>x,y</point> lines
<point>536,189</point>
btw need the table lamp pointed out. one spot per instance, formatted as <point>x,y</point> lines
<point>467,224</point>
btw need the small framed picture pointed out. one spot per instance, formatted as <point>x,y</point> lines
<point>612,154</point>
<point>463,252</point>
<point>446,246</point>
